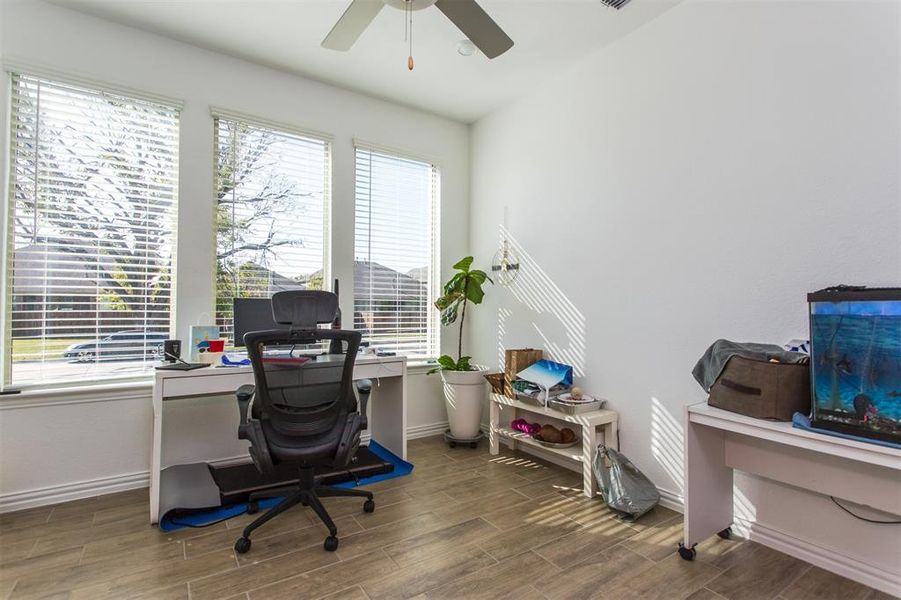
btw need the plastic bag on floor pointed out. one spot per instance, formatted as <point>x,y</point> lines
<point>624,487</point>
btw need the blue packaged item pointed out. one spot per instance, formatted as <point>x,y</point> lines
<point>547,373</point>
<point>855,365</point>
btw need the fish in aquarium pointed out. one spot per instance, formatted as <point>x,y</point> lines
<point>856,361</point>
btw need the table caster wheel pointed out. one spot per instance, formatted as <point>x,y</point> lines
<point>242,545</point>
<point>369,506</point>
<point>687,553</point>
<point>252,508</point>
<point>331,543</point>
<point>725,533</point>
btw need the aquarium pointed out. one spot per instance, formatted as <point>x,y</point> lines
<point>855,365</point>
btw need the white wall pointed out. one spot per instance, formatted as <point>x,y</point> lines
<point>693,181</point>
<point>50,446</point>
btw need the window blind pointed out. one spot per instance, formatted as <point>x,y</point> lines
<point>91,223</point>
<point>395,249</point>
<point>272,199</point>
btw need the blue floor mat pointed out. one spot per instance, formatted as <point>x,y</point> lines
<point>210,517</point>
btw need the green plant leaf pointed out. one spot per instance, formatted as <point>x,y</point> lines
<point>444,301</point>
<point>478,276</point>
<point>474,293</point>
<point>446,362</point>
<point>464,286</point>
<point>449,314</point>
<point>456,284</point>
<point>464,264</point>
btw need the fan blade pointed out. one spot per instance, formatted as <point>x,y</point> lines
<point>475,23</point>
<point>352,24</point>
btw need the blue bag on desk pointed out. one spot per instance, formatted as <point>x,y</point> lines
<point>624,487</point>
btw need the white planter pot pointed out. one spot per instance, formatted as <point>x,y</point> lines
<point>464,396</point>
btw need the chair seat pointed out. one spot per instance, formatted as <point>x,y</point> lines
<point>315,448</point>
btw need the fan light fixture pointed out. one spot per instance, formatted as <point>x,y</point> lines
<point>479,28</point>
<point>466,48</point>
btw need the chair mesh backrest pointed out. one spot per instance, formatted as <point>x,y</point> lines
<point>302,396</point>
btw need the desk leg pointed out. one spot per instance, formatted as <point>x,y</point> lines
<point>708,483</point>
<point>156,446</point>
<point>388,414</point>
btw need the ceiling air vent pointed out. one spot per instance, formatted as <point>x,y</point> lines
<point>617,4</point>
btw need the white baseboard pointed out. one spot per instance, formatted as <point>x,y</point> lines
<point>671,500</point>
<point>421,431</point>
<point>67,492</point>
<point>830,560</point>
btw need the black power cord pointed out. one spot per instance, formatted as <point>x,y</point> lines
<point>878,522</point>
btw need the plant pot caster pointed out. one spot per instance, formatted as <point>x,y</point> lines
<point>472,442</point>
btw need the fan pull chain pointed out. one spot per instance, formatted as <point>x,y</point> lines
<point>410,57</point>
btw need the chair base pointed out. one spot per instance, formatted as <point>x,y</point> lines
<point>307,493</point>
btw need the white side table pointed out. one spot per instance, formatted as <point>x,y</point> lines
<point>504,410</point>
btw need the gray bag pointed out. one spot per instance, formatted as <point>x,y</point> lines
<point>624,487</point>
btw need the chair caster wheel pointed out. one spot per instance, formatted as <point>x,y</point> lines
<point>369,506</point>
<point>687,553</point>
<point>473,445</point>
<point>242,545</point>
<point>453,444</point>
<point>331,543</point>
<point>252,508</point>
<point>725,533</point>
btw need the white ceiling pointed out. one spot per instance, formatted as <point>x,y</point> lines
<point>285,34</point>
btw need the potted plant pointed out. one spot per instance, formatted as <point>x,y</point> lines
<point>464,383</point>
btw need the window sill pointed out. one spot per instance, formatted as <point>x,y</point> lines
<point>80,393</point>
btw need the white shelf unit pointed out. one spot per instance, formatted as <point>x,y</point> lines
<point>586,425</point>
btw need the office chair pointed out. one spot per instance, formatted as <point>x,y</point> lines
<point>301,410</point>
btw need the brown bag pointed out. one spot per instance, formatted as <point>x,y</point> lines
<point>515,361</point>
<point>765,390</point>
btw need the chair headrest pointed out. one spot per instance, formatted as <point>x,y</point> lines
<point>304,309</point>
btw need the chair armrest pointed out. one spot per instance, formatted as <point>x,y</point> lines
<point>364,386</point>
<point>244,394</point>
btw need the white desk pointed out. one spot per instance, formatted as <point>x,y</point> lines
<point>387,420</point>
<point>718,441</point>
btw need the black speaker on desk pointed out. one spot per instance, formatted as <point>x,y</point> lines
<point>171,350</point>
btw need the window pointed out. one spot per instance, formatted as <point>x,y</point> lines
<point>91,232</point>
<point>396,252</point>
<point>272,197</point>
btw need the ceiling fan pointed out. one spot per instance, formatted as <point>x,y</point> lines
<point>467,15</point>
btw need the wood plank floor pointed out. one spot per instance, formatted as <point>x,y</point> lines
<point>464,525</point>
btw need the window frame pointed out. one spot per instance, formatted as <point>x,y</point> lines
<point>277,127</point>
<point>434,288</point>
<point>96,380</point>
